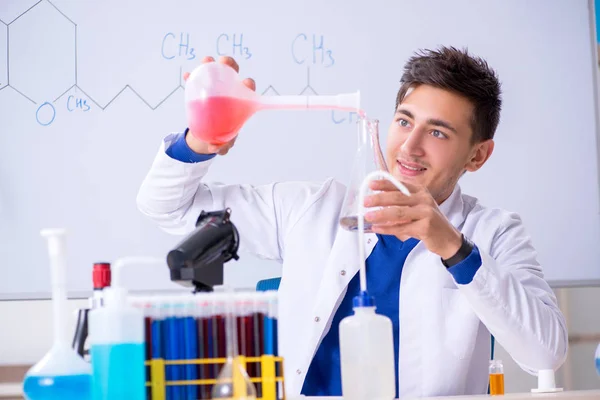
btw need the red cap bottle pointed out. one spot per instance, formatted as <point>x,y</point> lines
<point>101,275</point>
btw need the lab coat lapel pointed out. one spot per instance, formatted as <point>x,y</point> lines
<point>453,208</point>
<point>423,266</point>
<point>342,264</point>
<point>421,285</point>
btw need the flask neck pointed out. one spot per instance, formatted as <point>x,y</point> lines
<point>369,144</point>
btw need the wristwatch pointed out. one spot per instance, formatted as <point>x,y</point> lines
<point>463,252</point>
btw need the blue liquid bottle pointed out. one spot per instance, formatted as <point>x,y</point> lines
<point>117,349</point>
<point>61,373</point>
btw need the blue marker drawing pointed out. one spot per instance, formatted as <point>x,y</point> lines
<point>300,36</point>
<point>74,103</point>
<point>320,54</point>
<point>184,46</point>
<point>162,50</point>
<point>236,47</point>
<point>351,117</point>
<point>307,49</point>
<point>37,113</point>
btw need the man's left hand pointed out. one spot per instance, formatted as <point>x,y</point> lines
<point>415,216</point>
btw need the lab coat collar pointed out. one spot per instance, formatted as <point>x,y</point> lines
<point>453,207</point>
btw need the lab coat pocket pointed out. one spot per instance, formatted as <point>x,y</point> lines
<point>460,324</point>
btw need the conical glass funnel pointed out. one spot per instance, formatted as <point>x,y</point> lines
<point>233,381</point>
<point>368,158</point>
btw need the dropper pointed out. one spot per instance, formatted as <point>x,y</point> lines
<point>364,187</point>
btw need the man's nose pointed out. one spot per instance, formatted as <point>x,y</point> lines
<point>413,143</point>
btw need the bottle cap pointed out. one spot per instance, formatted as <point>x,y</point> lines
<point>546,382</point>
<point>363,300</point>
<point>101,275</point>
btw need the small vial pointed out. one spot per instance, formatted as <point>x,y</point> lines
<point>496,377</point>
<point>101,278</point>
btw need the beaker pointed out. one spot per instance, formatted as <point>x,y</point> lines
<point>61,373</point>
<point>368,158</point>
<point>218,103</point>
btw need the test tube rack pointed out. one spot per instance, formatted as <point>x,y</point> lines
<point>185,346</point>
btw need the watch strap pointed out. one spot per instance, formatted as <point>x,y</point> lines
<point>463,252</point>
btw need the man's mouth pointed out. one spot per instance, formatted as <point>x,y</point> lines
<point>409,169</point>
<point>410,166</point>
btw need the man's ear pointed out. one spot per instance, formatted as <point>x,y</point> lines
<point>479,155</point>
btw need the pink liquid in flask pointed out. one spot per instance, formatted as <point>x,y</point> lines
<point>218,119</point>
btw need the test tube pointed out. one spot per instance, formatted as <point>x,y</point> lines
<point>496,377</point>
<point>145,304</point>
<point>258,315</point>
<point>148,317</point>
<point>270,335</point>
<point>174,340</point>
<point>202,316</point>
<point>190,332</point>
<point>217,339</point>
<point>158,332</point>
<point>245,330</point>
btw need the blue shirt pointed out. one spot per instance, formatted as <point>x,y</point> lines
<point>384,269</point>
<point>180,151</point>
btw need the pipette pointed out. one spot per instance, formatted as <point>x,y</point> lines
<point>218,103</point>
<point>61,373</point>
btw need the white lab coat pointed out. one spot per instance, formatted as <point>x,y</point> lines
<point>444,327</point>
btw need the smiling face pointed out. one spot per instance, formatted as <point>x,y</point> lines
<point>430,140</point>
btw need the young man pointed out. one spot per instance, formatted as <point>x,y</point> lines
<point>447,270</point>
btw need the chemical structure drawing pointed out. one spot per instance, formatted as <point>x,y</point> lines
<point>64,92</point>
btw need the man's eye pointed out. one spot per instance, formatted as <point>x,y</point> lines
<point>439,134</point>
<point>402,122</point>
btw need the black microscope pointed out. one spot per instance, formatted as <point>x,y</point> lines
<point>197,261</point>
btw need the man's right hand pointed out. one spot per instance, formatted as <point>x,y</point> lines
<point>200,146</point>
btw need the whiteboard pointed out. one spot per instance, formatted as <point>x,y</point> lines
<point>88,89</point>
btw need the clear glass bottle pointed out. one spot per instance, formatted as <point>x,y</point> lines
<point>368,158</point>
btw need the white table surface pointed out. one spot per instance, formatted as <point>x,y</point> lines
<point>15,389</point>
<point>578,395</point>
<point>11,390</point>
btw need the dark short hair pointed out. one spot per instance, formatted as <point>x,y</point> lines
<point>457,71</point>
